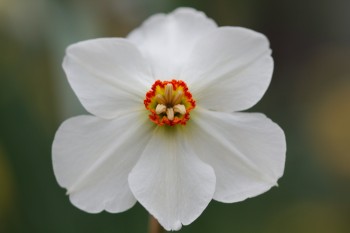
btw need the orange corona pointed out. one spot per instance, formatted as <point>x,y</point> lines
<point>169,102</point>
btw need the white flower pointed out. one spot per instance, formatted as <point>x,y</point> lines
<point>152,141</point>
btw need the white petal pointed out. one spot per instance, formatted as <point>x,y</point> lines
<point>246,150</point>
<point>109,76</point>
<point>229,69</point>
<point>92,158</point>
<point>170,181</point>
<point>167,40</point>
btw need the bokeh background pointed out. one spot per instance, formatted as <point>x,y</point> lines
<point>309,98</point>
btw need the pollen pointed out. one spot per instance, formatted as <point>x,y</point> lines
<point>169,102</point>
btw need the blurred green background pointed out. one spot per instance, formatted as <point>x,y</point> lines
<point>309,98</point>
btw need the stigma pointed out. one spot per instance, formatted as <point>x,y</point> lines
<point>169,102</point>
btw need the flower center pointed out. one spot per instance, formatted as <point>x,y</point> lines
<point>169,102</point>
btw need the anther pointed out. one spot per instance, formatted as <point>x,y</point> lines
<point>160,99</point>
<point>178,97</point>
<point>168,92</point>
<point>180,108</point>
<point>160,108</point>
<point>170,113</point>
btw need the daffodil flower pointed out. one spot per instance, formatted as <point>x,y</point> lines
<point>166,128</point>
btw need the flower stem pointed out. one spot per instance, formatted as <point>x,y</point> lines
<point>154,226</point>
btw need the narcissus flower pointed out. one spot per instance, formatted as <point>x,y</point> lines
<point>166,128</point>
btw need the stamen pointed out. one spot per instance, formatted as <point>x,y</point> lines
<point>177,99</point>
<point>160,99</point>
<point>170,113</point>
<point>161,108</point>
<point>180,108</point>
<point>168,92</point>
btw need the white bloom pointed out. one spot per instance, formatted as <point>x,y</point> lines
<point>170,150</point>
